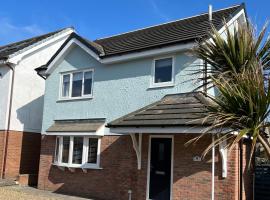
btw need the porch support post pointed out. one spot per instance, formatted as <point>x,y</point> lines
<point>224,157</point>
<point>137,145</point>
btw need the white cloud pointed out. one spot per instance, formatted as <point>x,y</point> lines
<point>158,11</point>
<point>10,32</point>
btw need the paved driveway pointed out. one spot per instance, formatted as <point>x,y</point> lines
<point>28,193</point>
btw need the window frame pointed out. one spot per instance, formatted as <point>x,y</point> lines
<point>61,97</point>
<point>85,164</point>
<point>163,84</point>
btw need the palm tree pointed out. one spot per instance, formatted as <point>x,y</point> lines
<point>239,62</point>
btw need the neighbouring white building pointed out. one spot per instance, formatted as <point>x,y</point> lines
<point>21,101</point>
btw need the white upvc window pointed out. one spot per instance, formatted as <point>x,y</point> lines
<point>163,72</point>
<point>77,151</point>
<point>76,84</point>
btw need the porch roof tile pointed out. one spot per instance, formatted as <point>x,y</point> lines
<point>76,125</point>
<point>186,109</point>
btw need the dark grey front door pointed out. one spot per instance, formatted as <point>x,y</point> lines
<point>160,169</point>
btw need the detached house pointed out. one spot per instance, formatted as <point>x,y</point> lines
<point>118,111</point>
<point>21,102</point>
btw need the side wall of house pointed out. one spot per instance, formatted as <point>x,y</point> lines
<point>23,143</point>
<point>29,88</point>
<point>4,97</point>
<point>191,180</point>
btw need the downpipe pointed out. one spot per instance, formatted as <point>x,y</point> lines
<point>213,169</point>
<point>129,194</point>
<point>6,136</point>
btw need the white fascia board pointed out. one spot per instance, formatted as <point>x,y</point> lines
<point>74,133</point>
<point>66,49</point>
<point>233,20</point>
<point>148,53</point>
<point>117,59</point>
<point>18,56</point>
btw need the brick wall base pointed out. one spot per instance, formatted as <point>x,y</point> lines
<point>191,180</point>
<point>23,151</point>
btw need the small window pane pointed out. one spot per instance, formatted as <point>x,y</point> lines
<point>92,152</point>
<point>77,84</point>
<point>77,150</point>
<point>163,70</point>
<point>87,83</point>
<point>56,150</point>
<point>66,85</point>
<point>65,150</point>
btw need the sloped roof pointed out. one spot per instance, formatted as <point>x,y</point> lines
<point>12,48</point>
<point>76,125</point>
<point>182,30</point>
<point>186,109</point>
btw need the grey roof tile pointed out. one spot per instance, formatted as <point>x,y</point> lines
<point>185,109</point>
<point>76,125</point>
<point>12,48</point>
<point>182,30</point>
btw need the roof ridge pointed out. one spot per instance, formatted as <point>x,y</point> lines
<point>185,18</point>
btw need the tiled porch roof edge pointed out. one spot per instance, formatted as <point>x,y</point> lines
<point>185,109</point>
<point>76,125</point>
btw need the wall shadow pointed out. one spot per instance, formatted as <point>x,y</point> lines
<point>30,115</point>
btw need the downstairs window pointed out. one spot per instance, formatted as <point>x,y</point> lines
<point>77,151</point>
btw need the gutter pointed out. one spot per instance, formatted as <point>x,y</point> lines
<point>6,136</point>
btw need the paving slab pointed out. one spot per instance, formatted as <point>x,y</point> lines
<point>17,192</point>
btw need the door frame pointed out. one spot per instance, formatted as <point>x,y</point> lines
<point>149,160</point>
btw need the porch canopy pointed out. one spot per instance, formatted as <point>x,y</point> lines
<point>174,113</point>
<point>77,126</point>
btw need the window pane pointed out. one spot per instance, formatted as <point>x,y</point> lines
<point>56,150</point>
<point>65,150</point>
<point>77,150</point>
<point>66,84</point>
<point>92,152</point>
<point>163,70</point>
<point>87,82</point>
<point>77,84</point>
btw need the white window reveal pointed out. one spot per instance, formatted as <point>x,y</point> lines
<point>77,151</point>
<point>163,72</point>
<point>77,84</point>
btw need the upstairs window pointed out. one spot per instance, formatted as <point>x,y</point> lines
<point>77,151</point>
<point>163,72</point>
<point>77,84</point>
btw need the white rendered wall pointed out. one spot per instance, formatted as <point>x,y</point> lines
<point>4,94</point>
<point>27,105</point>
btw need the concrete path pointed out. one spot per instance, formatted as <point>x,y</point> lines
<point>28,193</point>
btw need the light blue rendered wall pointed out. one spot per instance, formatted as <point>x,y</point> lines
<point>118,88</point>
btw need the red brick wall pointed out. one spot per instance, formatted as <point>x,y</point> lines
<point>191,180</point>
<point>22,154</point>
<point>2,136</point>
<point>248,173</point>
<point>111,182</point>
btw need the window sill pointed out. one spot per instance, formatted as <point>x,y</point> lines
<point>76,167</point>
<point>161,85</point>
<point>75,99</point>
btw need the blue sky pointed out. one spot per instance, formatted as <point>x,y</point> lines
<point>100,18</point>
